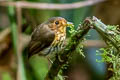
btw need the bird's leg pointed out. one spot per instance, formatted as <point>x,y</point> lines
<point>57,48</point>
<point>50,49</point>
<point>60,77</point>
<point>60,59</point>
<point>50,60</point>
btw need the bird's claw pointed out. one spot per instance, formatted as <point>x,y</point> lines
<point>60,59</point>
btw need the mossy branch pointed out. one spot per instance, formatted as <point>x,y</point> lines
<point>103,30</point>
<point>76,39</point>
<point>111,53</point>
<point>64,54</point>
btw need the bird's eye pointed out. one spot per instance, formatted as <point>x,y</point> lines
<point>57,22</point>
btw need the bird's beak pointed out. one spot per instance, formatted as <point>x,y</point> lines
<point>69,24</point>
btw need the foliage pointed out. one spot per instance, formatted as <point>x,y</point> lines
<point>79,48</point>
<point>110,54</point>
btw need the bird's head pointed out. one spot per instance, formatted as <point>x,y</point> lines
<point>58,24</point>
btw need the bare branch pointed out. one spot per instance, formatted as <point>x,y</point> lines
<point>50,6</point>
<point>94,43</point>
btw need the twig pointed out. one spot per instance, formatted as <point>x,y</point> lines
<point>102,30</point>
<point>4,40</point>
<point>50,6</point>
<point>67,51</point>
<point>21,72</point>
<point>94,43</point>
<point>4,34</point>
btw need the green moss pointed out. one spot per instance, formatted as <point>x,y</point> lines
<point>111,54</point>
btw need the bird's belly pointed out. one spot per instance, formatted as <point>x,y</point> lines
<point>45,51</point>
<point>49,50</point>
<point>56,46</point>
<point>53,48</point>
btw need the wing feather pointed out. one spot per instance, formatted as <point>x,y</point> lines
<point>42,37</point>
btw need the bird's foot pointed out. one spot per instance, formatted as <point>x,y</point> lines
<point>50,60</point>
<point>59,58</point>
<point>60,77</point>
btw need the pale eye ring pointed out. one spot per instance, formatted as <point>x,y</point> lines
<point>57,22</point>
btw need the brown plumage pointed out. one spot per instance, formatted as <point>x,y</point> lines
<point>48,37</point>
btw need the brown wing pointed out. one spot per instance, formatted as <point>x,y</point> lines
<point>42,37</point>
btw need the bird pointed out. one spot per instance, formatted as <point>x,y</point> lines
<point>48,37</point>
